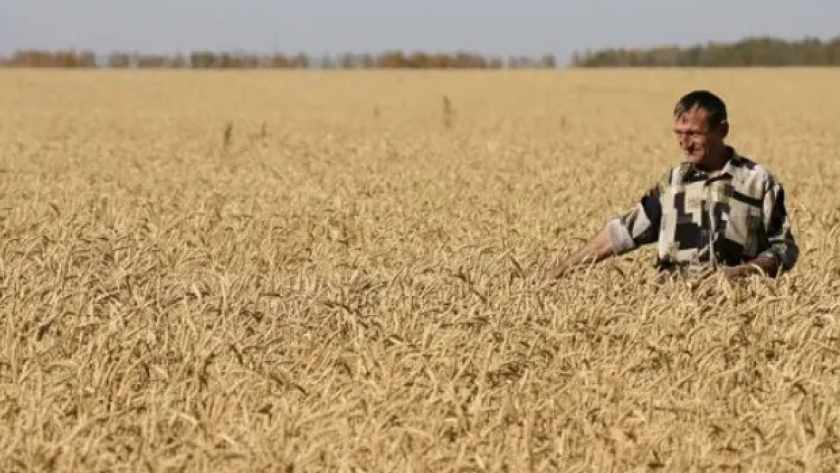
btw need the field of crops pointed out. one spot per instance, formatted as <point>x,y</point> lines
<point>340,271</point>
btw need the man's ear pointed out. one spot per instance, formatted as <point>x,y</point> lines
<point>724,129</point>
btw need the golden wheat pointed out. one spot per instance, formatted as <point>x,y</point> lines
<point>339,271</point>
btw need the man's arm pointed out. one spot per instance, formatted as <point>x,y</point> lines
<point>782,251</point>
<point>596,249</point>
<point>638,226</point>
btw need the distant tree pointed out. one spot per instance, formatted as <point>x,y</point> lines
<point>278,60</point>
<point>367,61</point>
<point>548,61</point>
<point>179,61</point>
<point>118,60</point>
<point>203,60</point>
<point>392,59</point>
<point>152,61</point>
<point>833,51</point>
<point>349,61</point>
<point>495,62</point>
<point>301,61</point>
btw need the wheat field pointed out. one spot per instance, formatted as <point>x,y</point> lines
<point>304,271</point>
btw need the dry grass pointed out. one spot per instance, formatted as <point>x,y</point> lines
<point>306,271</point>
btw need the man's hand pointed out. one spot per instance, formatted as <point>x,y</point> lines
<point>764,265</point>
<point>597,249</point>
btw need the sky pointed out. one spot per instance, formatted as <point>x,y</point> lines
<point>489,27</point>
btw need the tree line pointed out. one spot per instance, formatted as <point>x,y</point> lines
<point>71,58</point>
<point>751,51</point>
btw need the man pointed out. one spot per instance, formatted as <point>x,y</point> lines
<point>717,210</point>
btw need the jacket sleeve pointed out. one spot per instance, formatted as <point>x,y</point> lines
<point>777,226</point>
<point>639,225</point>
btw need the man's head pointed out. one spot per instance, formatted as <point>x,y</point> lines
<point>700,125</point>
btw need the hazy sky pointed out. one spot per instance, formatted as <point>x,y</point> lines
<point>529,27</point>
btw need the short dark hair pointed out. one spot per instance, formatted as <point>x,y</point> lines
<point>713,105</point>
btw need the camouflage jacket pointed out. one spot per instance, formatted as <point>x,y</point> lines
<point>701,221</point>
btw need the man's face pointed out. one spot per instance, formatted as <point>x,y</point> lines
<point>695,138</point>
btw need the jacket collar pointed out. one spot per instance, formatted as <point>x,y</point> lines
<point>735,160</point>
